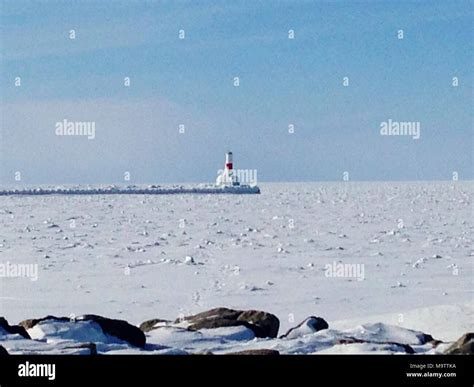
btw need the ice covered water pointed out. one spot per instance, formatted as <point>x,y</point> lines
<point>136,257</point>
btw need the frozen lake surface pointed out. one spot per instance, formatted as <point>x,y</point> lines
<point>140,257</point>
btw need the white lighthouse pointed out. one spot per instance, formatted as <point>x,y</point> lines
<point>227,176</point>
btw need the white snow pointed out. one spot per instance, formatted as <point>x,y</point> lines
<point>124,256</point>
<point>200,341</point>
<point>443,322</point>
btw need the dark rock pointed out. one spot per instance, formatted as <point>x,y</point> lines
<point>259,352</point>
<point>314,324</point>
<point>463,346</point>
<point>216,323</point>
<point>13,329</point>
<point>425,338</point>
<point>3,351</point>
<point>149,325</point>
<point>91,346</point>
<point>262,324</point>
<point>267,323</point>
<point>349,340</point>
<point>216,313</point>
<point>118,328</point>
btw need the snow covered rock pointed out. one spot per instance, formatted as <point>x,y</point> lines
<point>149,325</point>
<point>202,341</point>
<point>375,345</point>
<point>463,346</point>
<point>218,331</point>
<point>41,347</point>
<point>263,324</point>
<point>366,347</point>
<point>3,351</point>
<point>310,325</point>
<point>237,333</point>
<point>30,323</point>
<point>12,329</point>
<point>188,260</point>
<point>118,328</point>
<point>56,331</point>
<point>86,328</point>
<point>380,332</point>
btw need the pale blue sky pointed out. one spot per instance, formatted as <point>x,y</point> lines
<point>190,82</point>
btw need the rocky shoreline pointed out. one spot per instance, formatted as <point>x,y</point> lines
<point>215,331</point>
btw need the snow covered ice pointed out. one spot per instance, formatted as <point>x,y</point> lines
<point>139,257</point>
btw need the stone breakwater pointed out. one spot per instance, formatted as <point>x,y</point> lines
<point>132,190</point>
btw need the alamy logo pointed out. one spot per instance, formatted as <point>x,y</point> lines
<point>345,270</point>
<point>14,270</point>
<point>75,128</point>
<point>396,128</point>
<point>244,176</point>
<point>37,370</point>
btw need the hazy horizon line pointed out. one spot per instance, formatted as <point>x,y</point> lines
<point>258,183</point>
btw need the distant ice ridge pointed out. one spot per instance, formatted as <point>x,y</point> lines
<point>132,190</point>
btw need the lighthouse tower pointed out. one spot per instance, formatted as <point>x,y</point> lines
<point>227,176</point>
